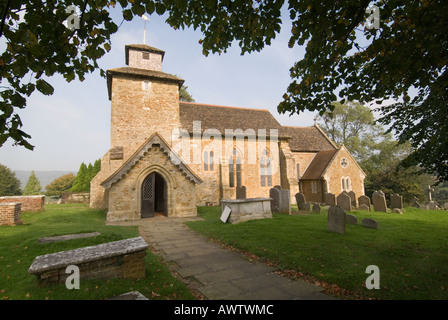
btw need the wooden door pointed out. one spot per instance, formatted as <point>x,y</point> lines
<point>148,196</point>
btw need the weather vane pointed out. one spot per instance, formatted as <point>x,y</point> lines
<point>144,30</point>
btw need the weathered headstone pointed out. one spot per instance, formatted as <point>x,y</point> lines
<point>370,223</point>
<point>317,208</point>
<point>300,200</point>
<point>352,196</point>
<point>364,200</point>
<point>281,202</point>
<point>379,201</point>
<point>363,207</point>
<point>336,219</point>
<point>306,206</point>
<point>397,210</point>
<point>330,199</point>
<point>396,201</point>
<point>415,202</point>
<point>225,214</point>
<point>343,200</point>
<point>351,219</point>
<point>241,192</point>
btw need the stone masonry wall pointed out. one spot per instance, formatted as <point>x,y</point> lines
<point>29,203</point>
<point>336,172</point>
<point>10,213</point>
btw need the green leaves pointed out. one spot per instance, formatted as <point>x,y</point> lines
<point>44,87</point>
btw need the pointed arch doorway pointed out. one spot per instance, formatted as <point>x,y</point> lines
<point>153,196</point>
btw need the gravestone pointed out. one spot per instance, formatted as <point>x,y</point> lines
<point>364,200</point>
<point>343,200</point>
<point>379,201</point>
<point>351,219</point>
<point>370,223</point>
<point>300,199</point>
<point>280,200</point>
<point>317,208</point>
<point>352,196</point>
<point>306,206</point>
<point>363,207</point>
<point>330,199</point>
<point>396,201</point>
<point>241,192</point>
<point>397,210</point>
<point>336,219</point>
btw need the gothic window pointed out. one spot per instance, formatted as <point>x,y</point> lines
<point>298,171</point>
<point>265,169</point>
<point>313,187</point>
<point>234,170</point>
<point>208,161</point>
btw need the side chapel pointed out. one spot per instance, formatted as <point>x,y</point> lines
<point>167,157</point>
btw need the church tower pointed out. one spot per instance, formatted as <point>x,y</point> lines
<point>144,100</point>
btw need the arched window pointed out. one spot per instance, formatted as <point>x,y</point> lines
<point>205,161</point>
<point>208,161</point>
<point>265,169</point>
<point>298,171</point>
<point>343,184</point>
<point>211,161</point>
<point>235,169</point>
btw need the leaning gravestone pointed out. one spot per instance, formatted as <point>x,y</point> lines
<point>241,192</point>
<point>336,219</point>
<point>352,196</point>
<point>343,200</point>
<point>351,219</point>
<point>379,201</point>
<point>370,223</point>
<point>396,201</point>
<point>300,199</point>
<point>330,199</point>
<point>364,200</point>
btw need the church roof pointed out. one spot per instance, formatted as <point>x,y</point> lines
<point>222,118</point>
<point>319,164</point>
<point>157,140</point>
<point>308,139</point>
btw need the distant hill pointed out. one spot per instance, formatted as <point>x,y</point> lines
<point>45,177</point>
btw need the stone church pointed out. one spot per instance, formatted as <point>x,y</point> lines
<point>167,157</point>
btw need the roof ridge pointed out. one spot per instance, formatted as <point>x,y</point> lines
<point>221,106</point>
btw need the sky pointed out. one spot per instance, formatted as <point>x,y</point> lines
<point>73,125</point>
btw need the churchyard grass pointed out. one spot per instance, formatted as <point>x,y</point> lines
<point>410,250</point>
<point>19,246</point>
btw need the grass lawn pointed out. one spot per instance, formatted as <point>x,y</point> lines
<point>19,246</point>
<point>410,250</point>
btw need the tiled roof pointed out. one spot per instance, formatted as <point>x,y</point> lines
<point>318,165</point>
<point>222,118</point>
<point>308,139</point>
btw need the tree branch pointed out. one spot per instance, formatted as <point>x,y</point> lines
<point>5,12</point>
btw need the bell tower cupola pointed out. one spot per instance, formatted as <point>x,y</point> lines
<point>142,56</point>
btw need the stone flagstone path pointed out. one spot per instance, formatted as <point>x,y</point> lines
<point>220,274</point>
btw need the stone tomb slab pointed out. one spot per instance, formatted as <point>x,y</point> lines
<point>247,209</point>
<point>117,259</point>
<point>68,237</point>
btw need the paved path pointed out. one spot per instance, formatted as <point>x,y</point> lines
<point>220,274</point>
